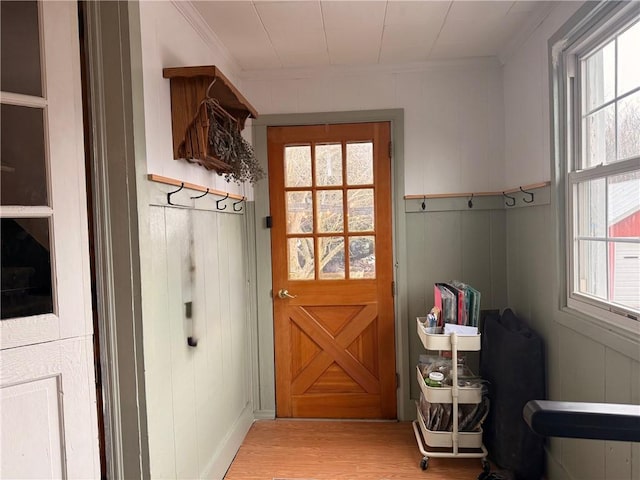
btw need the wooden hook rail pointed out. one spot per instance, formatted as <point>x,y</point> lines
<point>474,194</point>
<point>192,186</point>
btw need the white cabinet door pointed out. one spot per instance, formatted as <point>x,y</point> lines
<point>48,400</point>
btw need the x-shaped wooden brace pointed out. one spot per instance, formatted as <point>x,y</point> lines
<point>334,349</point>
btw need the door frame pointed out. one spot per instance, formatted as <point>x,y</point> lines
<point>114,62</point>
<point>264,365</point>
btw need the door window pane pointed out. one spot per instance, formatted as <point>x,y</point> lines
<point>301,259</point>
<point>600,137</point>
<point>600,79</point>
<point>628,51</point>
<point>360,163</point>
<point>362,257</point>
<point>331,258</point>
<point>20,48</point>
<point>297,166</point>
<point>330,213</point>
<point>299,212</point>
<point>23,177</point>
<point>329,165</point>
<point>360,210</point>
<point>629,125</point>
<point>26,267</point>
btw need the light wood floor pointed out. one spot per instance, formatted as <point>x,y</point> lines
<point>319,450</point>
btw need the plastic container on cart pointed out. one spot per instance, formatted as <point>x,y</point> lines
<point>444,394</point>
<point>445,439</point>
<point>440,341</point>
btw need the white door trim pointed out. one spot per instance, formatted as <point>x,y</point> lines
<point>113,47</point>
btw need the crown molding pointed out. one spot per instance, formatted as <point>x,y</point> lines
<point>202,28</point>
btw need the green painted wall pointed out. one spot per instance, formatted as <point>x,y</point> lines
<point>584,362</point>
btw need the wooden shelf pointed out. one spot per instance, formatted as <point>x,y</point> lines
<point>190,123</point>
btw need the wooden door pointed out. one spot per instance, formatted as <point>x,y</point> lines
<point>48,419</point>
<point>331,246</point>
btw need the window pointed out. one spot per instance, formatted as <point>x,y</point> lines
<point>599,152</point>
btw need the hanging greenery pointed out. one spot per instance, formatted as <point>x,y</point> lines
<point>227,144</point>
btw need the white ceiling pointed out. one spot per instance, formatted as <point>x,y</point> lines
<point>310,33</point>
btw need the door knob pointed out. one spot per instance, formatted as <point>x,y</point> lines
<point>282,293</point>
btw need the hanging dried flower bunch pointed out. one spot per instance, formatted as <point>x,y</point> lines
<point>227,144</point>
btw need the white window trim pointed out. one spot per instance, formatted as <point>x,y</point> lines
<point>588,28</point>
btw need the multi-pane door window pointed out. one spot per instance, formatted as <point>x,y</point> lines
<point>329,201</point>
<point>26,288</point>
<point>603,85</point>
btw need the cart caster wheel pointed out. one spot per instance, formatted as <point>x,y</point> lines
<point>424,463</point>
<point>486,466</point>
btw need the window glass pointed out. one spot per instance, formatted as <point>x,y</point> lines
<point>330,213</point>
<point>629,125</point>
<point>360,209</point>
<point>297,167</point>
<point>362,257</point>
<point>20,48</point>
<point>628,65</point>
<point>299,212</point>
<point>301,259</point>
<point>624,206</point>
<point>600,75</point>
<point>625,258</point>
<point>26,267</point>
<point>600,137</point>
<point>360,163</point>
<point>592,268</point>
<point>329,165</point>
<point>331,258</point>
<point>592,213</point>
<point>23,176</point>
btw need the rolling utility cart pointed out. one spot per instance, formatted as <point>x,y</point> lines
<point>449,443</point>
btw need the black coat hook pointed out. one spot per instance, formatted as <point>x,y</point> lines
<point>528,193</point>
<point>509,203</point>
<point>237,203</point>
<point>171,193</point>
<point>203,195</point>
<point>424,203</point>
<point>470,202</point>
<point>222,200</point>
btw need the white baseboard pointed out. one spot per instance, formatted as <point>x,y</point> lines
<point>221,461</point>
<point>264,414</point>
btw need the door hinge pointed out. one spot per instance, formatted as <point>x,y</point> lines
<point>397,380</point>
<point>268,221</point>
<point>390,149</point>
<point>393,289</point>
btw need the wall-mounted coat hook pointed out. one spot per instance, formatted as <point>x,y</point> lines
<point>424,203</point>
<point>171,193</point>
<point>470,202</point>
<point>528,193</point>
<point>511,200</point>
<point>200,196</point>
<point>222,200</point>
<point>238,203</point>
<point>192,341</point>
